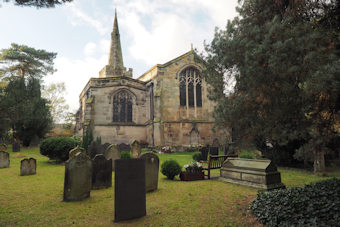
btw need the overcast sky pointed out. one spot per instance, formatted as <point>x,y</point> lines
<point>152,32</point>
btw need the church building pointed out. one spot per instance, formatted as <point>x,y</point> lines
<point>166,106</point>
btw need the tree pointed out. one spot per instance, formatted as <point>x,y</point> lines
<point>24,61</point>
<point>39,3</point>
<point>22,108</point>
<point>286,69</point>
<point>25,111</point>
<point>55,94</point>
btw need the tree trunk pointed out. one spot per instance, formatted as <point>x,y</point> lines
<point>319,160</point>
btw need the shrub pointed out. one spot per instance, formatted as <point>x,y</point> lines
<point>249,156</point>
<point>317,204</point>
<point>57,148</point>
<point>197,156</point>
<point>125,155</point>
<point>171,168</point>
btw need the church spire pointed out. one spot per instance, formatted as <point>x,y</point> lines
<point>115,66</point>
<point>116,57</point>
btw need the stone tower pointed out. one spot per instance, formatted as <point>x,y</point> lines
<point>115,66</point>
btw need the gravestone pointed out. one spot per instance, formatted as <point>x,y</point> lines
<point>130,201</point>
<point>28,167</point>
<point>136,149</point>
<point>75,151</point>
<point>101,172</point>
<point>124,147</point>
<point>213,150</point>
<point>260,174</point>
<point>3,147</point>
<point>215,143</point>
<point>112,153</point>
<point>78,178</point>
<point>16,147</point>
<point>204,152</point>
<point>104,147</point>
<point>4,159</point>
<point>151,170</point>
<point>35,141</point>
<point>95,149</point>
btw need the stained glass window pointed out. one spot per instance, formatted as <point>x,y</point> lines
<point>122,107</point>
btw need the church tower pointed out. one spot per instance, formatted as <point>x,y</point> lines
<point>115,66</point>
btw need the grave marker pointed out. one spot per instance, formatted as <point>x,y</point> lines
<point>4,159</point>
<point>101,172</point>
<point>151,171</point>
<point>112,153</point>
<point>136,149</point>
<point>28,167</point>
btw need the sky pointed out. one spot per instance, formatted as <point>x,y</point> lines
<point>151,32</point>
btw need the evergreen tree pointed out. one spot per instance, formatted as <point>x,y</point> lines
<point>39,3</point>
<point>285,69</point>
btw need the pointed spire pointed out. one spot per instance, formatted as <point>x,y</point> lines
<point>115,56</point>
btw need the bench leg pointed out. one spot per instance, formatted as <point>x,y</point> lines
<point>208,173</point>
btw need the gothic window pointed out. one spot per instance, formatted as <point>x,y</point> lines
<point>122,107</point>
<point>190,87</point>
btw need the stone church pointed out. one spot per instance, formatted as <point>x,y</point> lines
<point>166,106</point>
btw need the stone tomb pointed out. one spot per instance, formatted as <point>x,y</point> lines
<point>28,167</point>
<point>101,172</point>
<point>112,153</point>
<point>136,149</point>
<point>78,178</point>
<point>75,151</point>
<point>151,170</point>
<point>130,201</point>
<point>4,159</point>
<point>260,174</point>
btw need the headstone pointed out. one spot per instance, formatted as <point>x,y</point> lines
<point>151,170</point>
<point>4,159</point>
<point>95,149</point>
<point>213,150</point>
<point>16,147</point>
<point>3,147</point>
<point>75,151</point>
<point>136,150</point>
<point>215,143</point>
<point>105,146</point>
<point>78,178</point>
<point>101,172</point>
<point>260,174</point>
<point>28,167</point>
<point>130,201</point>
<point>112,153</point>
<point>124,147</point>
<point>204,152</point>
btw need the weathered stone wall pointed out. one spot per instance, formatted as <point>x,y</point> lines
<point>116,134</point>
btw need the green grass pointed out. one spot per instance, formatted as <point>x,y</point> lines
<point>37,200</point>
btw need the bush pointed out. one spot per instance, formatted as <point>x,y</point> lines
<point>171,168</point>
<point>248,156</point>
<point>197,156</point>
<point>316,204</point>
<point>57,148</point>
<point>125,155</point>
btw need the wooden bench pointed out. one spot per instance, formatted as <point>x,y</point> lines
<point>215,162</point>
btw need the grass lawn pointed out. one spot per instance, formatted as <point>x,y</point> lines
<point>37,200</point>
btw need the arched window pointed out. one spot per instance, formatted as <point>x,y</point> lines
<point>190,87</point>
<point>122,107</point>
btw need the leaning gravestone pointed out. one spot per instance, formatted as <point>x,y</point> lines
<point>3,147</point>
<point>104,147</point>
<point>124,147</point>
<point>101,172</point>
<point>75,151</point>
<point>28,167</point>
<point>78,178</point>
<point>4,159</point>
<point>136,149</point>
<point>16,147</point>
<point>130,201</point>
<point>151,171</point>
<point>112,153</point>
<point>94,149</point>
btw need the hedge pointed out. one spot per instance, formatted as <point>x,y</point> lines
<point>57,148</point>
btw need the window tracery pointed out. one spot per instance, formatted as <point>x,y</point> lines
<point>122,107</point>
<point>190,87</point>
